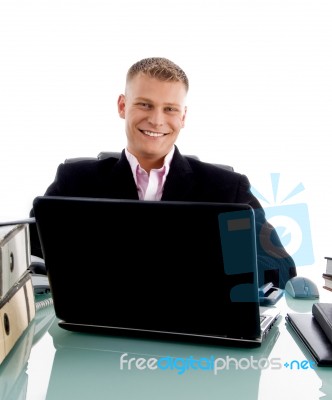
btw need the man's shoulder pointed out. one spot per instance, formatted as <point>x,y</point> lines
<point>199,166</point>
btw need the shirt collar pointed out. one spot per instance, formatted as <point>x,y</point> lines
<point>134,164</point>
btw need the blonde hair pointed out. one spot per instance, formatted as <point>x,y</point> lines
<point>159,68</point>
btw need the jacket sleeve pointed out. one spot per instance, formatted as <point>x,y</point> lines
<point>274,263</point>
<point>53,190</point>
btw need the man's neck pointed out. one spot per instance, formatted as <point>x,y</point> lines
<point>149,163</point>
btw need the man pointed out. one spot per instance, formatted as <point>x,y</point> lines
<point>152,168</point>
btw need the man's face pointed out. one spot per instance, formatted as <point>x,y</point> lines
<point>154,113</point>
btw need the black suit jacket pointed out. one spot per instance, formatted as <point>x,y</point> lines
<point>188,180</point>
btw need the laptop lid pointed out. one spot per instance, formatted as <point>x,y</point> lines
<point>167,267</point>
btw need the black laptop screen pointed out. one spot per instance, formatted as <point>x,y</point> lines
<point>158,266</point>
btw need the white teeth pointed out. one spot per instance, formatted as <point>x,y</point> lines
<point>154,134</point>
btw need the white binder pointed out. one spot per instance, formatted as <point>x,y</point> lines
<point>15,256</point>
<point>17,310</point>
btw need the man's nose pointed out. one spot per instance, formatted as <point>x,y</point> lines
<point>156,117</point>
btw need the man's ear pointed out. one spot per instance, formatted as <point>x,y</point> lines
<point>121,106</point>
<point>184,117</point>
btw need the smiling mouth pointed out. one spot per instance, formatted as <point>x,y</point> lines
<point>153,134</point>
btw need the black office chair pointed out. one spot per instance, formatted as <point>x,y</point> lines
<point>105,154</point>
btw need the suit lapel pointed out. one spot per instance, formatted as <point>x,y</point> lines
<point>120,182</point>
<point>180,182</point>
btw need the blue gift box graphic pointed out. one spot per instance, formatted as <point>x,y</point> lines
<point>292,224</point>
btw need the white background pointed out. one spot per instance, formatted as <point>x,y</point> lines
<point>260,90</point>
<point>260,95</point>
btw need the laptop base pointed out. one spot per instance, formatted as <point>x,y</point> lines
<point>158,335</point>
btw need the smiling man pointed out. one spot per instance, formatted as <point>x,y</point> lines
<point>151,166</point>
<point>154,109</point>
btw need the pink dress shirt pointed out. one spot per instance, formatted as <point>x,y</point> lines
<point>149,186</point>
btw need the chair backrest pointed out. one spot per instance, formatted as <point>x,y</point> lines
<point>105,154</point>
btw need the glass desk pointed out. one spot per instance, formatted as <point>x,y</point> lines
<point>51,363</point>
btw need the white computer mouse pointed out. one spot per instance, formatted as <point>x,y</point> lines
<point>301,287</point>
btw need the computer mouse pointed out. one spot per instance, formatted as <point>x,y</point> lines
<point>301,287</point>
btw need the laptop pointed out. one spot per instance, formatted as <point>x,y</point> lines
<point>180,269</point>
